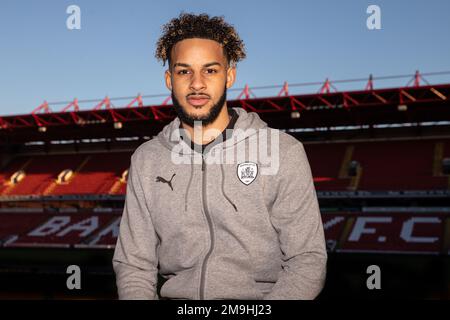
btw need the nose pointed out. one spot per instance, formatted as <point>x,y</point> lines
<point>197,82</point>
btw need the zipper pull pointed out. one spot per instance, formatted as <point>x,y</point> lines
<point>203,163</point>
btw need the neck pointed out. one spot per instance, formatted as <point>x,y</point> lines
<point>205,134</point>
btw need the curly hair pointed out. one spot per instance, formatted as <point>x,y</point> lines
<point>189,25</point>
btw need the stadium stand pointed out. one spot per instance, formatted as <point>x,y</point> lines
<point>380,161</point>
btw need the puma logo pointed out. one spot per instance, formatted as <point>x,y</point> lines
<point>161,179</point>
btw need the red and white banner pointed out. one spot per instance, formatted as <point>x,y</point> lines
<point>388,233</point>
<point>396,232</point>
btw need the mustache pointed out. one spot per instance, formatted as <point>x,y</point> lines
<point>198,95</point>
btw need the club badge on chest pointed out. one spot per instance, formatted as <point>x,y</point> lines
<point>247,172</point>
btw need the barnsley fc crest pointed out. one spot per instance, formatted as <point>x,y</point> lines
<point>247,172</point>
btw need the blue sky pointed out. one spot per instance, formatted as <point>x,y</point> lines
<point>294,41</point>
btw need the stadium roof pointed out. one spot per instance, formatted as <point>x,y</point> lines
<point>408,104</point>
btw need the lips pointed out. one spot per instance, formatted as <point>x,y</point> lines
<point>198,100</point>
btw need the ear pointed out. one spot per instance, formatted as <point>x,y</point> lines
<point>168,78</point>
<point>231,76</point>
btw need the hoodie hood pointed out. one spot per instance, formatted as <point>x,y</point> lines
<point>170,135</point>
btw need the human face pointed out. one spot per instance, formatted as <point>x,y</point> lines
<point>198,77</point>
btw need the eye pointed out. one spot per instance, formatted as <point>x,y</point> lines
<point>211,71</point>
<point>182,71</point>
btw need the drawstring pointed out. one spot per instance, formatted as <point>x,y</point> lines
<point>188,185</point>
<point>223,184</point>
<point>223,190</point>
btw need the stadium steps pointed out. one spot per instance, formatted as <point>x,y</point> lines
<point>446,244</point>
<point>439,150</point>
<point>343,171</point>
<point>116,186</point>
<point>118,183</point>
<point>10,186</point>
<point>98,176</point>
<point>354,181</point>
<point>437,159</point>
<point>54,183</point>
<point>49,189</point>
<point>345,232</point>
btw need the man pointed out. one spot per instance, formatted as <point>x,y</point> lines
<point>219,229</point>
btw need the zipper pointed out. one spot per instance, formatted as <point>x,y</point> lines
<point>211,231</point>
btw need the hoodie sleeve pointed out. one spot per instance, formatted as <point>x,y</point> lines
<point>135,256</point>
<point>296,217</point>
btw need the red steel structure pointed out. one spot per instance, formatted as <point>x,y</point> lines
<point>436,95</point>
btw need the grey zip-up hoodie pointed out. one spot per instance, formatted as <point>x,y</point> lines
<point>223,229</point>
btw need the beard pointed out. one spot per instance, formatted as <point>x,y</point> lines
<point>205,119</point>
